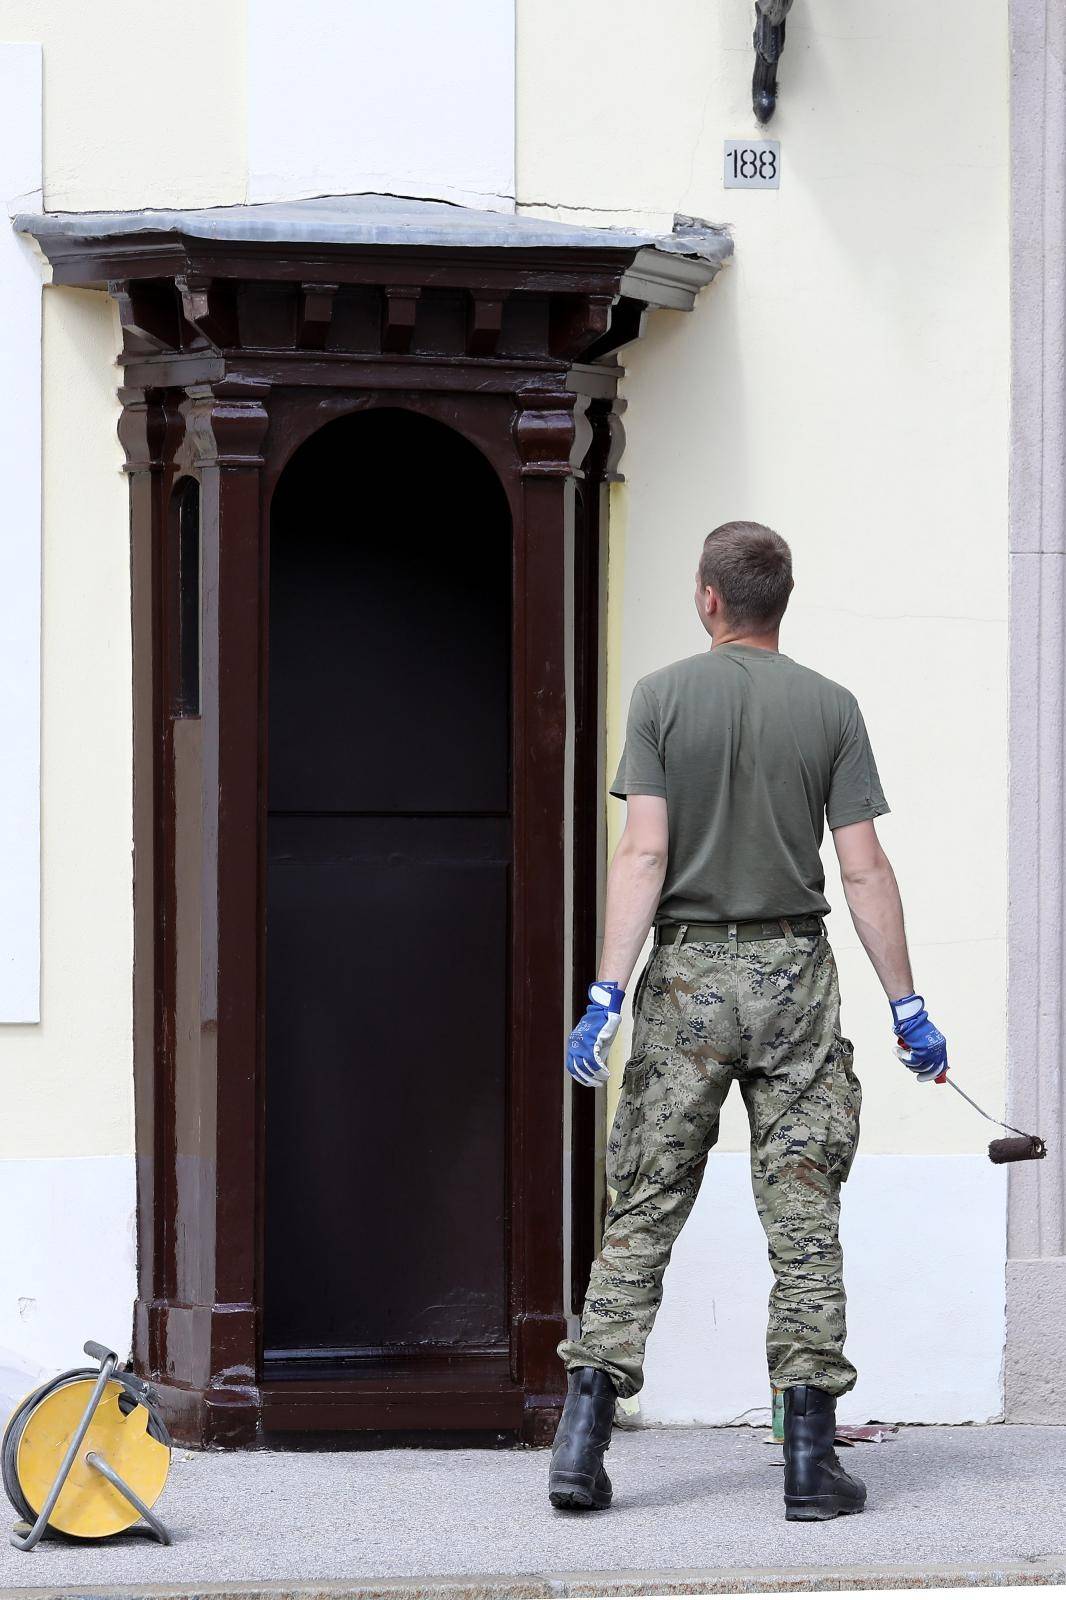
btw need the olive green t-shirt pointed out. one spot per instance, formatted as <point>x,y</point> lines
<point>753,753</point>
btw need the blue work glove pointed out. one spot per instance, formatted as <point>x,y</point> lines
<point>586,1054</point>
<point>919,1045</point>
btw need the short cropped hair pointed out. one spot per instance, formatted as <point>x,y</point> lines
<point>750,568</point>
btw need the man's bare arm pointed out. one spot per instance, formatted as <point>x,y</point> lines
<point>634,884</point>
<point>872,894</point>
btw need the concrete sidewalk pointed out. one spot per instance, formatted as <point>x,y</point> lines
<point>695,1510</point>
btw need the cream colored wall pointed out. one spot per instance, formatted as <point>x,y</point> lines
<point>67,1082</point>
<point>137,111</point>
<point>144,105</point>
<point>844,379</point>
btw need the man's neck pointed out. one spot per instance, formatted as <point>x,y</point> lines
<point>758,641</point>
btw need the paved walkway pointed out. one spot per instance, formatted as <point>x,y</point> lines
<point>694,1509</point>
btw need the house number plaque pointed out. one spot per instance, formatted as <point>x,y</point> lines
<point>753,164</point>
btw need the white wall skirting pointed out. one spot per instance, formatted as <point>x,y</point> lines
<point>68,1245</point>
<point>924,1248</point>
<point>1036,1301</point>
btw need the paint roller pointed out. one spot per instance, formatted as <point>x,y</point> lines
<point>1026,1147</point>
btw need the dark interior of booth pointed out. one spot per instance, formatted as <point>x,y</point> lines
<point>389,855</point>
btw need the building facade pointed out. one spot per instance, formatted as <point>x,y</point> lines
<point>522,385</point>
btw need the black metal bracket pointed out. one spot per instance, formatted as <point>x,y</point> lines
<point>769,41</point>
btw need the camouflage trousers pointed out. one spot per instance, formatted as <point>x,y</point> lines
<point>767,1014</point>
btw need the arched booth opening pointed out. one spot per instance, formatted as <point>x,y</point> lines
<point>369,442</point>
<point>387,902</point>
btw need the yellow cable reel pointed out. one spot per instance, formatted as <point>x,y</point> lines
<point>86,1455</point>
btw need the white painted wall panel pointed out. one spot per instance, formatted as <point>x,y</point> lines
<point>412,98</point>
<point>924,1243</point>
<point>68,1245</point>
<point>20,542</point>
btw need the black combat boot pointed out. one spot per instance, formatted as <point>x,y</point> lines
<point>577,1480</point>
<point>816,1485</point>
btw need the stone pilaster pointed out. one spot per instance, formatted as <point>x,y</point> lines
<point>1035,1365</point>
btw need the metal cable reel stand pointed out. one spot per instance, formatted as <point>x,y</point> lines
<point>86,1455</point>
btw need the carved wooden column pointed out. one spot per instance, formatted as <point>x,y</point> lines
<point>144,432</point>
<point>212,1320</point>
<point>551,435</point>
<point>586,1126</point>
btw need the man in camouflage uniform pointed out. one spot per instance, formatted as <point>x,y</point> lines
<point>733,761</point>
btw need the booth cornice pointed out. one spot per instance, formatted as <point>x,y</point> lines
<point>432,279</point>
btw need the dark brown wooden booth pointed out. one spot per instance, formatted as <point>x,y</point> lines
<point>440,377</point>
